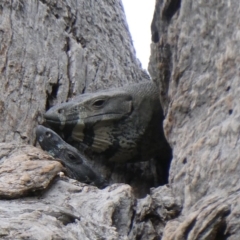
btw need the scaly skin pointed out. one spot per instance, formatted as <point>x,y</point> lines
<point>122,125</point>
<point>74,162</point>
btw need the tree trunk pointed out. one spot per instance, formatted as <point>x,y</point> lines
<point>195,61</point>
<point>53,50</point>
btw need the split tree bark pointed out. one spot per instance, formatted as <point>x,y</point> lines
<point>53,50</point>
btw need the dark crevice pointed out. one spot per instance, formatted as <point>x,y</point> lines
<point>154,218</point>
<point>155,37</point>
<point>170,9</point>
<point>164,168</point>
<point>154,24</point>
<point>138,237</point>
<point>230,111</point>
<point>43,1</point>
<point>47,106</point>
<point>55,87</point>
<point>67,49</point>
<point>84,89</point>
<point>52,95</point>
<point>221,234</point>
<point>163,160</point>
<point>133,217</point>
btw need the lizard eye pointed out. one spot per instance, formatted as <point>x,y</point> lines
<point>48,134</point>
<point>71,156</point>
<point>60,111</point>
<point>99,103</point>
<point>74,159</point>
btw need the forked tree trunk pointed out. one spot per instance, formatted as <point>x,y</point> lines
<point>53,50</point>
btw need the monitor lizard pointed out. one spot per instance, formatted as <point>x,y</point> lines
<point>122,125</point>
<point>76,164</point>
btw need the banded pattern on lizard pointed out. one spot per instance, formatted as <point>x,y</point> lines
<point>75,163</point>
<point>122,125</point>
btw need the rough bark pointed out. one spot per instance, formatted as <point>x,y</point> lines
<point>51,51</point>
<point>195,59</point>
<point>21,173</point>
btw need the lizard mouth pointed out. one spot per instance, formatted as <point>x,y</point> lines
<point>55,119</point>
<point>51,117</point>
<point>110,115</point>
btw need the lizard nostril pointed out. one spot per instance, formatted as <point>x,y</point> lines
<point>48,134</point>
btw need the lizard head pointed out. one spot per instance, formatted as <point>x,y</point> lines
<point>86,117</point>
<point>120,125</point>
<point>74,162</point>
<point>90,107</point>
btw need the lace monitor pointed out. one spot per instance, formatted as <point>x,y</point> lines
<point>122,125</point>
<point>76,165</point>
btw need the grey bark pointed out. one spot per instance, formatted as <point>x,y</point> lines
<point>51,51</point>
<point>195,59</point>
